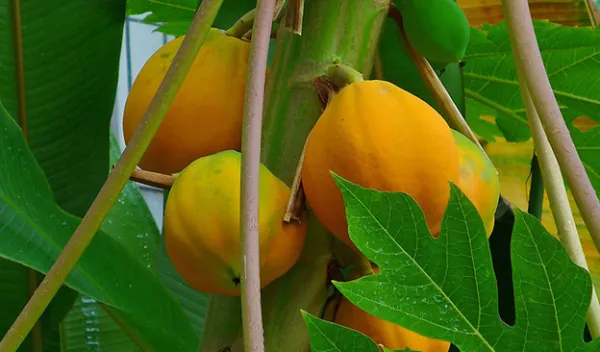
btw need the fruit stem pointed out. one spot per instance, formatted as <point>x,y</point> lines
<point>252,325</point>
<point>153,179</point>
<point>536,190</point>
<point>117,179</point>
<point>342,75</point>
<point>244,25</point>
<point>527,56</point>
<point>435,86</point>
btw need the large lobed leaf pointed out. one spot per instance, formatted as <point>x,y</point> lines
<point>445,287</point>
<point>571,57</point>
<point>35,230</point>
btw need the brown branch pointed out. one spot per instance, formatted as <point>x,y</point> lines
<point>294,16</point>
<point>153,179</point>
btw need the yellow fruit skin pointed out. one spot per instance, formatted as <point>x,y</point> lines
<point>479,180</point>
<point>392,336</point>
<point>382,137</point>
<point>202,227</point>
<point>206,115</point>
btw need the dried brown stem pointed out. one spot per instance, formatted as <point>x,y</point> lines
<point>253,331</point>
<point>153,179</point>
<point>294,15</point>
<point>527,55</point>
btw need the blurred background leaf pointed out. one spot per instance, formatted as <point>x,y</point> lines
<point>175,16</point>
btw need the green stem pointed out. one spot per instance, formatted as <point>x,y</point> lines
<point>557,194</point>
<point>342,75</point>
<point>252,325</point>
<point>536,190</point>
<point>118,177</point>
<point>527,55</point>
<point>243,25</point>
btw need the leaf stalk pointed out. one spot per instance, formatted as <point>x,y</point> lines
<point>252,324</point>
<point>117,179</point>
<point>528,58</point>
<point>557,195</point>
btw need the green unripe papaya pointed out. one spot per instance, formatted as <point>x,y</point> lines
<point>437,29</point>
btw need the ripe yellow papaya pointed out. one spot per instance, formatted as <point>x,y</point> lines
<point>392,336</point>
<point>202,227</point>
<point>379,136</point>
<point>479,180</point>
<point>206,115</point>
<point>437,29</point>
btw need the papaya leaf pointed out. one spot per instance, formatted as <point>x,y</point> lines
<point>587,144</point>
<point>327,336</point>
<point>35,229</point>
<point>445,287</point>
<point>175,16</point>
<point>570,55</point>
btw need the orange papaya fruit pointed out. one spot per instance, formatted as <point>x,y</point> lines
<point>202,226</point>
<point>382,137</point>
<point>479,180</point>
<point>206,115</point>
<point>386,333</point>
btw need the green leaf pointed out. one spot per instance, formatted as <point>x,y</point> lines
<point>132,225</point>
<point>14,294</point>
<point>89,328</point>
<point>35,230</point>
<point>175,16</point>
<point>327,336</point>
<point>71,76</point>
<point>445,287</point>
<point>570,55</point>
<point>587,145</point>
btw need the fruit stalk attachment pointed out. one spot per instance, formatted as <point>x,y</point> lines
<point>527,56</point>
<point>338,76</point>
<point>203,20</point>
<point>251,140</point>
<point>153,179</point>
<point>243,27</point>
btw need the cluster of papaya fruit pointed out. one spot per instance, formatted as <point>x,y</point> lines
<point>371,133</point>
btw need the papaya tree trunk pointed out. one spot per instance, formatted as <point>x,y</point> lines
<point>345,31</point>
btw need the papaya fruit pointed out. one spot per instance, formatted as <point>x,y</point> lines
<point>437,29</point>
<point>479,180</point>
<point>206,115</point>
<point>392,336</point>
<point>202,227</point>
<point>382,137</point>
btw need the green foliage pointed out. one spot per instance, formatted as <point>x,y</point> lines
<point>437,29</point>
<point>327,336</point>
<point>35,230</point>
<point>491,85</point>
<point>175,16</point>
<point>445,287</point>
